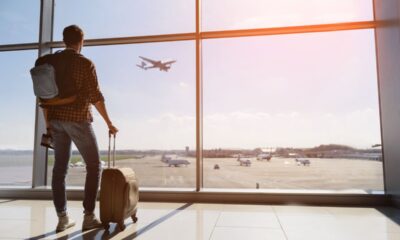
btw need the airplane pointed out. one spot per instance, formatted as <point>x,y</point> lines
<point>163,66</point>
<point>300,161</point>
<point>264,156</point>
<point>174,162</point>
<point>244,162</point>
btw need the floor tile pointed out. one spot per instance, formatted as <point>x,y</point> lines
<point>26,219</point>
<point>248,219</point>
<point>224,233</point>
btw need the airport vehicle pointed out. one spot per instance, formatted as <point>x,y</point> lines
<point>174,162</point>
<point>244,162</point>
<point>302,161</point>
<point>162,66</point>
<point>82,164</point>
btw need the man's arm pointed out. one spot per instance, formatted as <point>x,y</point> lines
<point>101,108</point>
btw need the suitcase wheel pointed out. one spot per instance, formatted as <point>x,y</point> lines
<point>134,218</point>
<point>121,226</point>
<point>106,226</point>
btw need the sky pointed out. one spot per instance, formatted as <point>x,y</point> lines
<point>297,90</point>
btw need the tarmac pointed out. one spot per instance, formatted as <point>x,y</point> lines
<point>350,175</point>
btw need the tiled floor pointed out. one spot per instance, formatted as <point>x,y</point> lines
<point>37,220</point>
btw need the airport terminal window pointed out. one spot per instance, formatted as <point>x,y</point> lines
<point>153,109</point>
<point>271,100</point>
<point>17,104</point>
<point>268,100</point>
<point>125,17</point>
<point>19,21</point>
<point>227,14</point>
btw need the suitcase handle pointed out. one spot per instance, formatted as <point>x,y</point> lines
<point>109,150</point>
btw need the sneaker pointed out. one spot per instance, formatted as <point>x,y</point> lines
<point>64,222</point>
<point>90,222</point>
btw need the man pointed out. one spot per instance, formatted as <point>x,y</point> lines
<point>72,123</point>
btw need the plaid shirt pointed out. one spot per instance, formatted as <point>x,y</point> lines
<point>84,75</point>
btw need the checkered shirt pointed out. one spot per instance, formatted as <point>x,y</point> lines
<point>88,92</point>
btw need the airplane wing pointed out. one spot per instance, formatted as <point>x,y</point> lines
<point>148,60</point>
<point>151,67</point>
<point>170,62</point>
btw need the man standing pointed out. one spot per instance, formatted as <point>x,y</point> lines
<point>72,123</point>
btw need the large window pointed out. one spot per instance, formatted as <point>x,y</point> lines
<point>307,97</point>
<point>19,21</point>
<point>17,104</point>
<point>242,14</point>
<point>277,109</point>
<point>105,18</point>
<point>154,111</point>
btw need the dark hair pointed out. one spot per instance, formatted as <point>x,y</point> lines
<point>72,35</point>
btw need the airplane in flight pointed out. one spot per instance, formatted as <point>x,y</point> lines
<point>163,66</point>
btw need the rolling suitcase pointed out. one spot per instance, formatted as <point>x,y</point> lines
<point>119,193</point>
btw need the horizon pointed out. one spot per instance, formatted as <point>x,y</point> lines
<point>208,149</point>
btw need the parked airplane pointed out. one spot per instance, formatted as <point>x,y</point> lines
<point>264,156</point>
<point>174,162</point>
<point>301,161</point>
<point>244,162</point>
<point>163,66</point>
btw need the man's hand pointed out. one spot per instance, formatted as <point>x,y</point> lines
<point>112,130</point>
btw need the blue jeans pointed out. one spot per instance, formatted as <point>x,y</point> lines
<point>82,134</point>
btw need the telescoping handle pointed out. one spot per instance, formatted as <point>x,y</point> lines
<point>109,150</point>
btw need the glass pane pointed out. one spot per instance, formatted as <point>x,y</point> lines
<point>19,21</point>
<point>153,109</point>
<point>226,14</point>
<point>17,104</point>
<point>125,18</point>
<point>310,97</point>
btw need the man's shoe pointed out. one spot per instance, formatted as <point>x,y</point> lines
<point>90,222</point>
<point>64,222</point>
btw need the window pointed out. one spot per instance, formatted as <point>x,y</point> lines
<point>154,111</point>
<point>105,18</point>
<point>17,104</point>
<point>300,96</point>
<point>284,111</point>
<point>19,21</point>
<point>228,15</point>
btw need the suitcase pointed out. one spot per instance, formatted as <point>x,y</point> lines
<point>119,193</point>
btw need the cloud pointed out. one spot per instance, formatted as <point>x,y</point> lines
<point>183,84</point>
<point>359,128</point>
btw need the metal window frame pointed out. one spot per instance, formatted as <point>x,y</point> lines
<point>46,43</point>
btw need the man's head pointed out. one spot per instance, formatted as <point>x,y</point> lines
<point>73,37</point>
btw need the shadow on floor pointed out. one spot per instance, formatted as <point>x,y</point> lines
<point>7,201</point>
<point>97,234</point>
<point>391,213</point>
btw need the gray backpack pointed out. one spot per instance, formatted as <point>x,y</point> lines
<point>44,81</point>
<point>52,81</point>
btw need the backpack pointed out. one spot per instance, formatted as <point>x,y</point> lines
<point>52,79</point>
